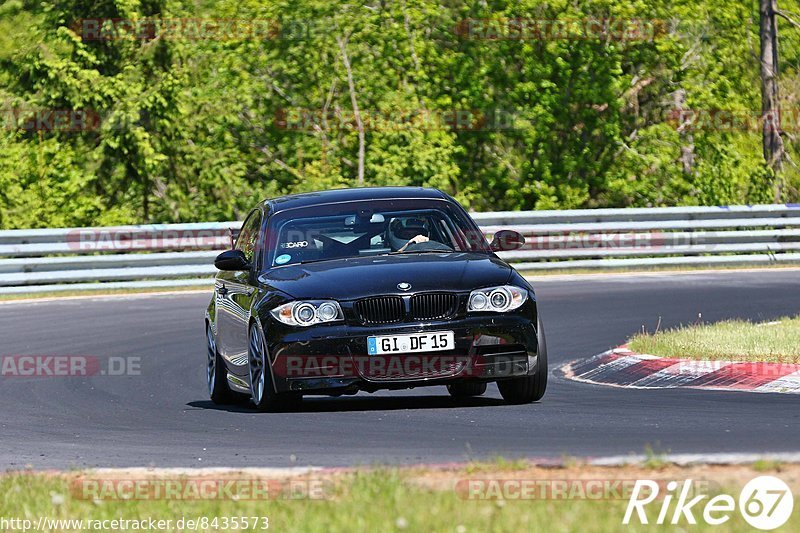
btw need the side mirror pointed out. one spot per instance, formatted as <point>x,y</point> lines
<point>232,260</point>
<point>506,240</point>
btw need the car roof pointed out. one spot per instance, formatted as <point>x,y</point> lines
<point>310,199</point>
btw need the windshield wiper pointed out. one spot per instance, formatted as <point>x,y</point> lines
<point>375,255</point>
<point>303,262</point>
<point>422,252</point>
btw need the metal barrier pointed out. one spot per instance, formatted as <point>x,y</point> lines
<point>167,255</point>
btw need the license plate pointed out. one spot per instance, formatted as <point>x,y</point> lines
<point>416,342</point>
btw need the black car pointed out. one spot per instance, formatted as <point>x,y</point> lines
<point>363,289</point>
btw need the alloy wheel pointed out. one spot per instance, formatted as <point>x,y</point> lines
<point>211,364</point>
<point>256,359</point>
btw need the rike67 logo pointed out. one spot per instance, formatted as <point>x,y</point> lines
<point>765,503</point>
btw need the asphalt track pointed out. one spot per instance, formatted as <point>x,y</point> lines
<point>163,418</point>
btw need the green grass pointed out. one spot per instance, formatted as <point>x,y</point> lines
<point>379,500</point>
<point>733,340</point>
<point>654,460</point>
<point>497,464</point>
<point>767,465</point>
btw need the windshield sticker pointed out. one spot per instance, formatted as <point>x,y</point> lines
<point>298,244</point>
<point>281,259</point>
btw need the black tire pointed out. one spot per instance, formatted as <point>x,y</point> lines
<point>262,389</point>
<point>466,389</point>
<point>531,388</point>
<point>216,373</point>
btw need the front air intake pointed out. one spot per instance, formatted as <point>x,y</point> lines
<point>380,309</point>
<point>433,306</point>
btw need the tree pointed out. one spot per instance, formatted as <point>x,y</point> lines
<point>770,105</point>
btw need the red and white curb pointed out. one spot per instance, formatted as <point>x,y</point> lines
<point>621,367</point>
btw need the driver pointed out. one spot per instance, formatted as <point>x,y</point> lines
<point>402,236</point>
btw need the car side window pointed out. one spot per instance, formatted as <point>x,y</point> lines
<point>248,236</point>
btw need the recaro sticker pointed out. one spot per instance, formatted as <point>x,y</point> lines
<point>298,244</point>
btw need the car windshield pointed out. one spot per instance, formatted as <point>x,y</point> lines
<point>371,231</point>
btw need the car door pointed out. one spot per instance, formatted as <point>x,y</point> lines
<point>234,293</point>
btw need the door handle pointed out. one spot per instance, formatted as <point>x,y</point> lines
<point>222,290</point>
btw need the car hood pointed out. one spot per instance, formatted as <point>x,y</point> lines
<point>347,279</point>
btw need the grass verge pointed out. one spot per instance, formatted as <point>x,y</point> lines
<point>396,499</point>
<point>732,340</point>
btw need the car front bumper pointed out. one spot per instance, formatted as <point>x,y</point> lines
<point>334,360</point>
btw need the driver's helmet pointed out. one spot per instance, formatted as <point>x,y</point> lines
<point>401,230</point>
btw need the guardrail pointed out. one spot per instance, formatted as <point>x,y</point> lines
<point>166,255</point>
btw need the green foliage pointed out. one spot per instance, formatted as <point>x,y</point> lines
<point>192,127</point>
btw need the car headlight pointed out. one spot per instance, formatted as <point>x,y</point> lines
<point>497,299</point>
<point>305,313</point>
